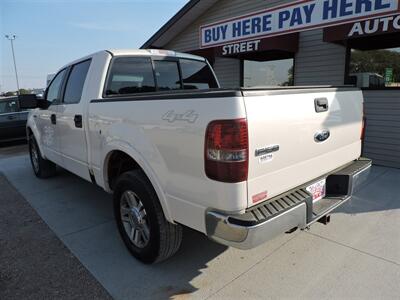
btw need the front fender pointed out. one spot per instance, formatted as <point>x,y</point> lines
<point>32,127</point>
<point>120,145</point>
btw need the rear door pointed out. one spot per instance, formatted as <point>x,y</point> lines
<point>71,124</point>
<point>297,135</point>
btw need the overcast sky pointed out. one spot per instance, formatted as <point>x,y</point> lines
<point>51,33</point>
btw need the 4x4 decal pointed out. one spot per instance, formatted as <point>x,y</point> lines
<point>171,116</point>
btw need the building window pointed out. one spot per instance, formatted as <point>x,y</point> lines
<point>375,68</point>
<point>268,73</point>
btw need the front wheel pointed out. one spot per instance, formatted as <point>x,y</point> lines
<point>141,221</point>
<point>42,168</point>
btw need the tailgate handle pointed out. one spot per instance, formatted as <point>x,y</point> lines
<point>321,105</point>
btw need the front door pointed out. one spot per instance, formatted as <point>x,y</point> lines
<point>71,122</point>
<point>47,120</point>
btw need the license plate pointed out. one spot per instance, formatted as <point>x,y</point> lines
<point>317,190</point>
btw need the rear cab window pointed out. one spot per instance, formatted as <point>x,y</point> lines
<point>167,75</point>
<point>197,75</point>
<point>130,75</point>
<point>136,75</point>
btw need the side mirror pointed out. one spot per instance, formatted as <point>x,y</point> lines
<point>30,101</point>
<point>27,101</point>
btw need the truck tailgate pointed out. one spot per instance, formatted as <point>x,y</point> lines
<point>290,143</point>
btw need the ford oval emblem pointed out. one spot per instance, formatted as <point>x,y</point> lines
<point>322,136</point>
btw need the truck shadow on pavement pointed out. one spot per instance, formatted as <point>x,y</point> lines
<point>195,253</point>
<point>81,216</point>
<point>380,193</point>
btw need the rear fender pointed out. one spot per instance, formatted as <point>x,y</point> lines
<point>125,147</point>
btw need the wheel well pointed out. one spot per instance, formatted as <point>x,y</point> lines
<point>119,163</point>
<point>29,131</point>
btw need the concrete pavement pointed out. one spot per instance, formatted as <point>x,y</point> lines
<point>35,264</point>
<point>356,256</point>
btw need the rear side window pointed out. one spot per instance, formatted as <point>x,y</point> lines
<point>76,80</point>
<point>196,75</point>
<point>130,75</point>
<point>167,75</point>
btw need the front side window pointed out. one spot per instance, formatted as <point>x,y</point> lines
<point>53,91</point>
<point>268,73</point>
<point>76,80</point>
<point>375,68</point>
<point>167,75</point>
<point>130,75</point>
<point>197,75</point>
<point>8,106</point>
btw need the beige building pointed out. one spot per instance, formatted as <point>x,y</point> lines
<point>324,42</point>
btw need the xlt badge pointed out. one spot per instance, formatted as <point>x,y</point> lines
<point>267,150</point>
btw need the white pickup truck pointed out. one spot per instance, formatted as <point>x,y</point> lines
<point>239,165</point>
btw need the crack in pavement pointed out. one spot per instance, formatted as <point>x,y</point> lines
<point>86,228</point>
<point>251,267</point>
<point>352,248</point>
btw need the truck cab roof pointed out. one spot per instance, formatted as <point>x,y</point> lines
<point>138,52</point>
<point>155,52</point>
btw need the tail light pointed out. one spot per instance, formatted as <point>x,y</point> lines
<point>226,150</point>
<point>363,128</point>
<point>364,120</point>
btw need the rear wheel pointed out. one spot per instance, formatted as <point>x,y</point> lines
<point>141,221</point>
<point>42,168</point>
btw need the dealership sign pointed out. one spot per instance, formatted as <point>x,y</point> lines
<point>294,17</point>
<point>372,27</point>
<point>381,25</point>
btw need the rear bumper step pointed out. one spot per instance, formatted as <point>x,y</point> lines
<point>287,211</point>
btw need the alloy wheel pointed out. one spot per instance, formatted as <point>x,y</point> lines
<point>134,219</point>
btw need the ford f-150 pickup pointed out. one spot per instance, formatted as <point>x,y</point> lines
<point>153,128</point>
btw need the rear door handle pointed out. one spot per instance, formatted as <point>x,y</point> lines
<point>321,105</point>
<point>11,117</point>
<point>53,119</point>
<point>78,121</point>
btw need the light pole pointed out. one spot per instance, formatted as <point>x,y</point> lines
<point>11,38</point>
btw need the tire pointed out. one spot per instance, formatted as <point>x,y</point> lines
<point>42,168</point>
<point>141,221</point>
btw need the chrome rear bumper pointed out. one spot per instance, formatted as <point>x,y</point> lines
<point>287,211</point>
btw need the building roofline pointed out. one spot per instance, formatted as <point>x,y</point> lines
<point>174,21</point>
<point>188,6</point>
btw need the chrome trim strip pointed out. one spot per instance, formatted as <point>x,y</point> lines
<point>220,230</point>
